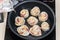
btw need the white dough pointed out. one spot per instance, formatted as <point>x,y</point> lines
<point>23,30</point>
<point>45,26</point>
<point>35,30</point>
<point>24,13</point>
<point>32,20</point>
<point>19,21</point>
<point>43,16</point>
<point>35,11</point>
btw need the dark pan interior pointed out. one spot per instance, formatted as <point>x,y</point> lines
<point>29,6</point>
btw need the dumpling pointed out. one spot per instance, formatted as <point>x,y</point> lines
<point>23,30</point>
<point>32,20</point>
<point>43,16</point>
<point>24,13</point>
<point>35,30</point>
<point>19,21</point>
<point>45,26</point>
<point>35,11</point>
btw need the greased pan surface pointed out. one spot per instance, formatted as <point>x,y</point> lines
<point>29,5</point>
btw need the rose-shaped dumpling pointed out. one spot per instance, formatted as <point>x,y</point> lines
<point>35,30</point>
<point>19,21</point>
<point>24,13</point>
<point>45,26</point>
<point>35,11</point>
<point>43,16</point>
<point>32,20</point>
<point>23,30</point>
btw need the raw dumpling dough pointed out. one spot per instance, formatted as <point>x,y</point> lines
<point>24,13</point>
<point>35,11</point>
<point>19,21</point>
<point>43,16</point>
<point>35,31</point>
<point>32,20</point>
<point>45,26</point>
<point>23,30</point>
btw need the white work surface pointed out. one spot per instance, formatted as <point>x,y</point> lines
<point>57,19</point>
<point>3,25</point>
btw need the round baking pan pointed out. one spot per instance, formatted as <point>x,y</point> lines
<point>29,5</point>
